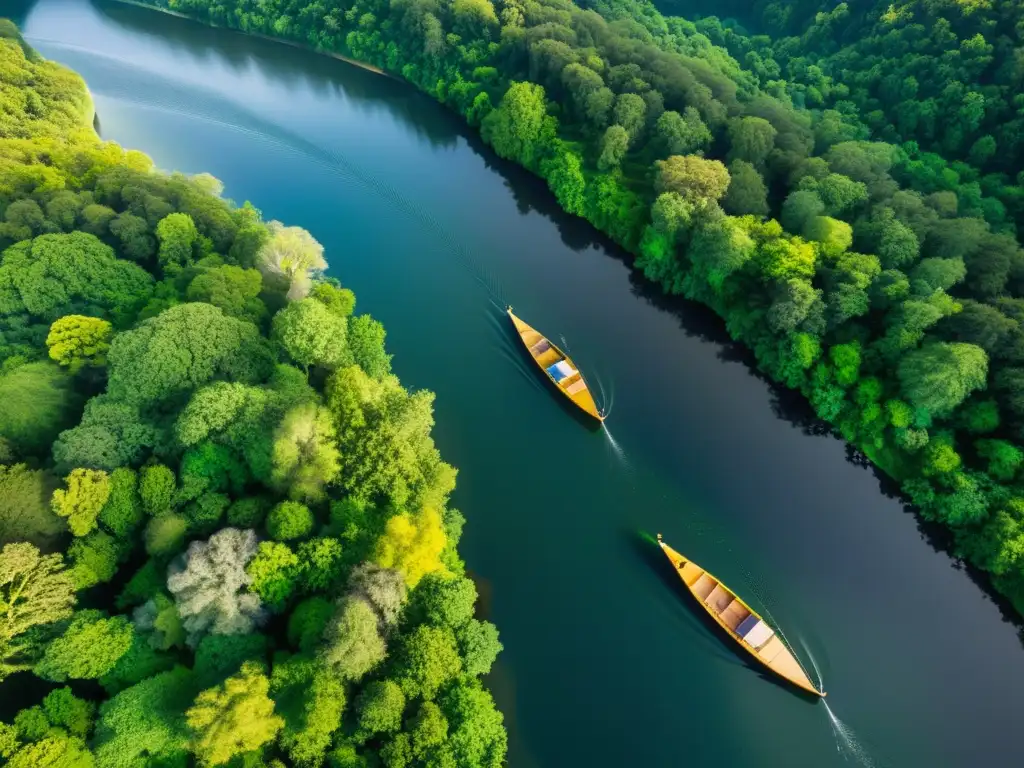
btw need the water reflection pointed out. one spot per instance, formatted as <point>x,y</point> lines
<point>276,64</point>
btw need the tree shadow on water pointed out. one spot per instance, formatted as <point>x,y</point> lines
<point>283,63</point>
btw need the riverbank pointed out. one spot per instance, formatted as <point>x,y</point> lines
<point>860,339</point>
<point>330,54</point>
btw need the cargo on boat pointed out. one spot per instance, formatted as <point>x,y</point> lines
<point>743,624</point>
<point>557,366</point>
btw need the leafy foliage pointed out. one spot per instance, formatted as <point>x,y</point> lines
<point>234,718</point>
<point>89,647</point>
<point>35,591</point>
<point>149,293</point>
<point>207,583</point>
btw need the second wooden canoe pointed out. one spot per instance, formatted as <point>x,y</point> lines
<point>557,366</point>
<point>744,625</point>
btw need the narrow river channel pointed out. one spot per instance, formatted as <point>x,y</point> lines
<point>606,662</point>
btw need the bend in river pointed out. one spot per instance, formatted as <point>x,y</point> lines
<point>606,663</point>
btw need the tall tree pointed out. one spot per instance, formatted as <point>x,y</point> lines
<point>35,591</point>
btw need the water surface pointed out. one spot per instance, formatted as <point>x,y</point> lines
<point>606,662</point>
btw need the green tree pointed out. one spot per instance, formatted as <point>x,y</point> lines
<point>445,601</point>
<point>65,710</point>
<point>516,129</point>
<point>341,301</point>
<point>384,440</point>
<point>305,455</point>
<point>429,659</point>
<point>751,139</point>
<point>1004,458</point>
<point>564,173</point>
<point>380,707</point>
<point>133,234</point>
<point>428,729</point>
<point>307,623</point>
<point>939,376</point>
<point>25,511</point>
<point>49,275</point>
<point>218,657</point>
<point>290,520</point>
<point>312,700</point>
<point>38,404</point>
<point>630,112</point>
<point>311,334</point>
<point>747,192</point>
<point>177,234</point>
<point>233,718</point>
<point>158,618</point>
<point>94,559</point>
<point>35,591</point>
<point>75,341</point>
<point>165,534</point>
<point>180,350</point>
<point>233,289</point>
<point>86,494</point>
<point>832,235</point>
<point>682,134</point>
<point>352,643</point>
<point>799,208</point>
<point>57,751</point>
<point>323,564</point>
<point>89,647</point>
<point>144,724</point>
<point>366,341</point>
<point>476,733</point>
<point>614,145</point>
<point>479,646</point>
<point>156,489</point>
<point>123,512</point>
<point>274,571</point>
<point>692,178</point>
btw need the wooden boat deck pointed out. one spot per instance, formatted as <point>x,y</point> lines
<point>545,354</point>
<point>730,612</point>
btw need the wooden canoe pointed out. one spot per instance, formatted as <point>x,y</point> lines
<point>548,358</point>
<point>744,624</point>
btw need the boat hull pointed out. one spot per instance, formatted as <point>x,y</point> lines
<point>743,625</point>
<point>546,355</point>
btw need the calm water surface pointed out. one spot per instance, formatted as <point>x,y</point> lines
<point>606,663</point>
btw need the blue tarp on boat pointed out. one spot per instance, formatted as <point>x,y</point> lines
<point>560,370</point>
<point>746,625</point>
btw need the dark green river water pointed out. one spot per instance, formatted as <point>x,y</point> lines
<point>606,662</point>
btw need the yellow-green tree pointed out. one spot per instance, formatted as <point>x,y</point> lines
<point>234,717</point>
<point>87,491</point>
<point>412,545</point>
<point>34,590</point>
<point>75,341</point>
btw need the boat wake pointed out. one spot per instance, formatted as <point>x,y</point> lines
<point>620,454</point>
<point>847,743</point>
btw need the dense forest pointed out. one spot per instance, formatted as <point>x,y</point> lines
<point>837,187</point>
<point>224,531</point>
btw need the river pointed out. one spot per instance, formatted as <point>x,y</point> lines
<point>606,662</point>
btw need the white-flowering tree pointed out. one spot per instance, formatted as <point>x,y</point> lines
<point>382,588</point>
<point>293,253</point>
<point>209,584</point>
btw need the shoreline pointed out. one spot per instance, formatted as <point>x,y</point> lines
<point>268,38</point>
